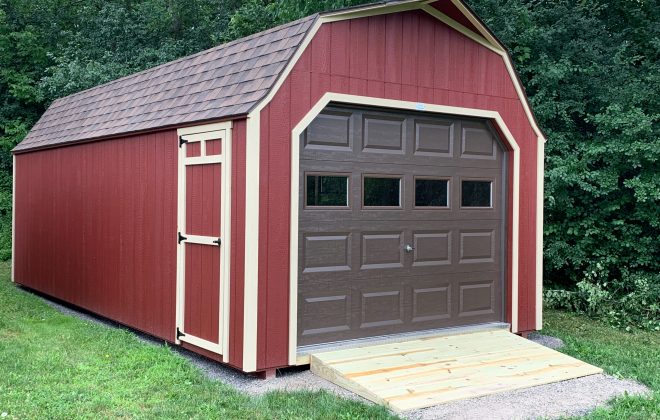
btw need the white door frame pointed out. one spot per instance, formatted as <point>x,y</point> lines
<point>341,98</point>
<point>200,134</point>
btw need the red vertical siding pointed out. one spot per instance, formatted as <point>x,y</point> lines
<point>237,257</point>
<point>96,226</point>
<point>457,72</point>
<point>273,298</point>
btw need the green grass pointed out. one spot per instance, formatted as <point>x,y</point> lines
<point>633,355</point>
<point>57,366</point>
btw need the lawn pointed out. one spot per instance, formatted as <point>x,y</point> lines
<point>57,366</point>
<point>633,355</point>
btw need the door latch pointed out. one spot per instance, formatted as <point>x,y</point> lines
<point>179,333</point>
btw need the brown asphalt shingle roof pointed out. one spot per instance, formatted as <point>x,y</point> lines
<point>225,81</point>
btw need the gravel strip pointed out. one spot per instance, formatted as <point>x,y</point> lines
<point>574,397</point>
<point>289,379</point>
<point>546,340</point>
<point>561,399</point>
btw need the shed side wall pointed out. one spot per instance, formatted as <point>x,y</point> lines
<point>96,227</point>
<point>405,56</point>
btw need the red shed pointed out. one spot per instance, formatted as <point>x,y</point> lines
<point>374,171</point>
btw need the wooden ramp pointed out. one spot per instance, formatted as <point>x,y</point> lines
<point>434,370</point>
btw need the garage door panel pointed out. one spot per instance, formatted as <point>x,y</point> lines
<point>408,142</point>
<point>364,247</point>
<point>447,218</point>
<point>374,217</point>
<point>478,302</point>
<point>327,252</point>
<point>432,257</point>
<point>431,248</point>
<point>324,316</point>
<point>476,246</point>
<point>431,301</point>
<point>389,164</point>
<point>380,308</point>
<point>329,131</point>
<point>383,134</point>
<point>477,142</point>
<point>401,275</point>
<point>453,225</point>
<point>438,224</point>
<point>375,156</point>
<point>465,295</point>
<point>329,166</point>
<point>382,250</point>
<point>434,138</point>
<point>476,299</point>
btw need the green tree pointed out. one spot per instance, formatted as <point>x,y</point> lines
<point>592,71</point>
<point>52,48</point>
<point>258,15</point>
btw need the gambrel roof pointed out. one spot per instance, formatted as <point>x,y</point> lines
<point>221,82</point>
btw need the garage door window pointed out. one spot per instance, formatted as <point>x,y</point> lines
<point>476,194</point>
<point>382,192</point>
<point>327,191</point>
<point>431,193</point>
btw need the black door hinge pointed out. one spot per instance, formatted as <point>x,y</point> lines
<point>182,141</point>
<point>179,334</point>
<point>180,238</point>
<point>217,241</point>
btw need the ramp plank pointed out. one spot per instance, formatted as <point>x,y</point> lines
<point>423,372</point>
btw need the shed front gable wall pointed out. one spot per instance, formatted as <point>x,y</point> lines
<point>408,56</point>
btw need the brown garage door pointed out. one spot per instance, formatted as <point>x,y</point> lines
<point>401,224</point>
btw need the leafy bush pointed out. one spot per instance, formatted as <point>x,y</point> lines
<point>629,303</point>
<point>592,72</point>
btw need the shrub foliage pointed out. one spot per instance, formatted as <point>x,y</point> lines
<point>591,69</point>
<point>592,72</point>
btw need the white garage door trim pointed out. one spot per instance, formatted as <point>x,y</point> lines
<point>402,105</point>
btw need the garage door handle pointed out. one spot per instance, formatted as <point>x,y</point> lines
<point>408,248</point>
